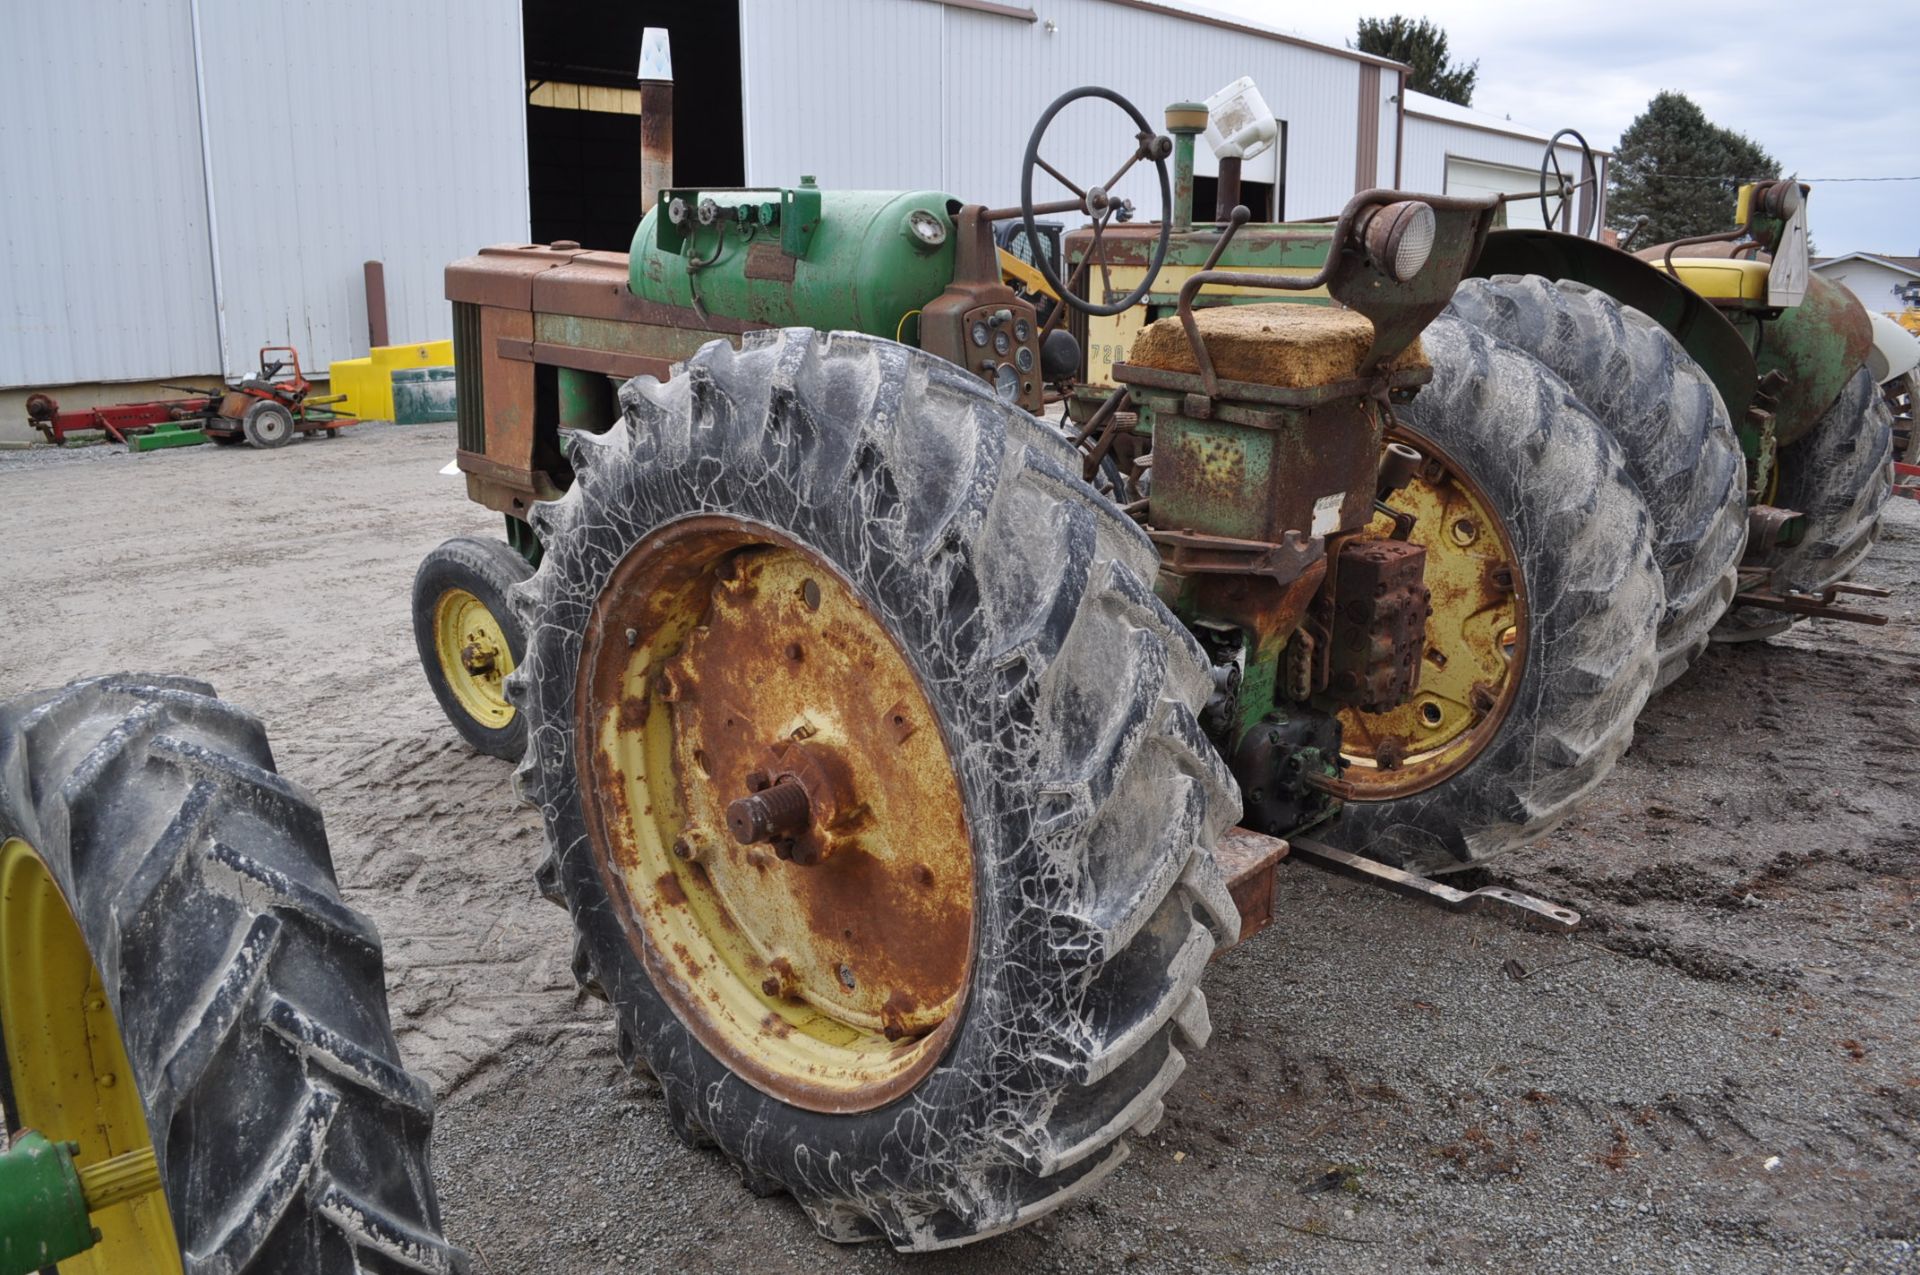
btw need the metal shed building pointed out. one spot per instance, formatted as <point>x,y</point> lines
<point>208,176</point>
<point>196,178</point>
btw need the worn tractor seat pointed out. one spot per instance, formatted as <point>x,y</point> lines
<point>1291,346</point>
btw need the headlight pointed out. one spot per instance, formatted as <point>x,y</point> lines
<point>1399,238</point>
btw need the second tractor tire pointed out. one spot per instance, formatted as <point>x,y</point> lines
<point>249,998</point>
<point>1068,695</point>
<point>1679,445</point>
<point>1593,601</point>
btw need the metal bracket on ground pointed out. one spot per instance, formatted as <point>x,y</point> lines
<point>1524,907</point>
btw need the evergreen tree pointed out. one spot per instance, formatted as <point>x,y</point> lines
<point>1681,170</point>
<point>1422,46</point>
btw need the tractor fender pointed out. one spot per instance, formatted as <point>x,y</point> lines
<point>1713,342</point>
<point>1819,345</point>
<point>1895,352</point>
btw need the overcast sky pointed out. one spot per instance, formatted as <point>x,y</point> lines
<point>1830,88</point>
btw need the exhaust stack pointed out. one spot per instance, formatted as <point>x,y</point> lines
<point>656,116</point>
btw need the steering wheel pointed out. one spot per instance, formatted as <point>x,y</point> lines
<point>1588,173</point>
<point>272,369</point>
<point>1097,202</point>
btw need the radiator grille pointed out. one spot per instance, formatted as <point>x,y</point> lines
<point>470,401</point>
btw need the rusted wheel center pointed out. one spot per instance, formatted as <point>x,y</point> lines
<point>768,787</point>
<point>1476,638</point>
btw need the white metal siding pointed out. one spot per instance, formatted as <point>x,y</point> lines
<point>103,237</point>
<point>1870,281</point>
<point>341,131</point>
<point>1431,143</point>
<point>349,132</point>
<point>910,93</point>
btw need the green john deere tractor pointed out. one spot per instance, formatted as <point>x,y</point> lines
<point>906,747</point>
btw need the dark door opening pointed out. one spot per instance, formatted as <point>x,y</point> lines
<point>1267,201</point>
<point>583,122</point>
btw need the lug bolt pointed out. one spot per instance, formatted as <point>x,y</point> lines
<point>775,813</point>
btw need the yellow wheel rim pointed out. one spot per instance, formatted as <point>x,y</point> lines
<point>827,968</point>
<point>474,657</point>
<point>1476,638</point>
<point>71,1078</point>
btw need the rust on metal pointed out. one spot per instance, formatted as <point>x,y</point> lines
<point>1468,676</point>
<point>1376,620</point>
<point>845,880</point>
<point>1247,859</point>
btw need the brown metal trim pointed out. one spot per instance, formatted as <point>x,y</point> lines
<point>990,6</point>
<point>1366,151</point>
<point>1242,28</point>
<point>1400,128</point>
<point>1497,132</point>
<point>770,262</point>
<point>492,470</point>
<point>1247,860</point>
<point>519,349</point>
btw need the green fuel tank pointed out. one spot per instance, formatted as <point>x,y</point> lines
<point>856,260</point>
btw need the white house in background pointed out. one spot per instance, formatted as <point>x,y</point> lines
<point>1457,150</point>
<point>1876,279</point>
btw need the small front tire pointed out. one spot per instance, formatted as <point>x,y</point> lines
<point>469,639</point>
<point>267,425</point>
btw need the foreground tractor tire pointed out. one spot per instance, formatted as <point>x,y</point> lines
<point>1680,447</point>
<point>178,972</point>
<point>1840,475</point>
<point>469,639</point>
<point>1559,656</point>
<point>934,1011</point>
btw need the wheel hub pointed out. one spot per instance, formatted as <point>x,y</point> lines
<point>1476,634</point>
<point>68,1060</point>
<point>474,656</point>
<point>766,780</point>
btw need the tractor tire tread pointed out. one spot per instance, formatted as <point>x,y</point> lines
<point>1680,446</point>
<point>1025,601</point>
<point>1594,599</point>
<point>251,999</point>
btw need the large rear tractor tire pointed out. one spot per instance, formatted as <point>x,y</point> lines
<point>1545,603</point>
<point>871,771</point>
<point>178,974</point>
<point>1680,447</point>
<point>1840,475</point>
<point>469,639</point>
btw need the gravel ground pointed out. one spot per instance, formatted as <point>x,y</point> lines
<point>1720,1073</point>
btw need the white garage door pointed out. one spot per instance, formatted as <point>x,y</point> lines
<point>1471,177</point>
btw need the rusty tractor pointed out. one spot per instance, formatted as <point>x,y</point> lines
<point>906,750</point>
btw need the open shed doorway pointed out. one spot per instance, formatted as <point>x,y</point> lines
<point>583,104</point>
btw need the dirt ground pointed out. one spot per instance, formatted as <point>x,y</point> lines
<point>1720,1073</point>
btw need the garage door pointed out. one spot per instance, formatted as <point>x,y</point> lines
<point>1471,177</point>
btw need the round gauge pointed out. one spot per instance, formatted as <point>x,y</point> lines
<point>1022,330</point>
<point>925,228</point>
<point>1024,359</point>
<point>979,332</point>
<point>1006,382</point>
<point>1001,344</point>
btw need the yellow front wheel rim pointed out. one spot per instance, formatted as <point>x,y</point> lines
<point>68,1064</point>
<point>1476,639</point>
<point>474,657</point>
<point>828,969</point>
